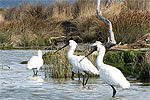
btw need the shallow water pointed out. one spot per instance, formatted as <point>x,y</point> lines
<point>17,83</point>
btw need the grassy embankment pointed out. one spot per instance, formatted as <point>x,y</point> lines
<point>38,25</point>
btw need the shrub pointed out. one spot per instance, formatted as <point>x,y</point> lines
<point>84,8</point>
<point>131,23</point>
<point>60,10</point>
<point>138,4</point>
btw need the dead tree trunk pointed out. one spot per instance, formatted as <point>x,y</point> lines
<point>111,39</point>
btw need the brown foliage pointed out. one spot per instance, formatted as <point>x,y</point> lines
<point>84,8</point>
<point>138,4</point>
<point>76,19</point>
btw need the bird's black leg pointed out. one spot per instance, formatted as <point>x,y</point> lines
<point>79,75</point>
<point>36,72</point>
<point>114,91</point>
<point>72,75</point>
<point>33,72</point>
<point>83,81</point>
<point>87,78</point>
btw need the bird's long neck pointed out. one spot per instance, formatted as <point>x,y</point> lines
<point>40,54</point>
<point>71,51</point>
<point>99,60</point>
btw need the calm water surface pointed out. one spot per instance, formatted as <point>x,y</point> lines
<point>18,83</point>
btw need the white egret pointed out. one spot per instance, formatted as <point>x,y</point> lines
<point>110,75</point>
<point>35,63</point>
<point>85,67</point>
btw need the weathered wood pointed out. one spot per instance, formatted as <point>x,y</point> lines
<point>141,49</point>
<point>133,47</point>
<point>111,39</point>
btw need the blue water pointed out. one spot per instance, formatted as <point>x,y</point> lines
<point>15,3</point>
<point>17,83</point>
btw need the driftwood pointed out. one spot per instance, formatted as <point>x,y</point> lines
<point>142,44</point>
<point>111,39</point>
<point>130,47</point>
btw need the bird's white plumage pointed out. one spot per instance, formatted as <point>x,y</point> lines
<point>85,65</point>
<point>113,76</point>
<point>74,70</point>
<point>35,61</point>
<point>109,74</point>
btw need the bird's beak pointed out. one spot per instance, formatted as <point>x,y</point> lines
<point>94,48</point>
<point>62,47</point>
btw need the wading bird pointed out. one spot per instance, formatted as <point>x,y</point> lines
<point>110,75</point>
<point>35,63</point>
<point>85,67</point>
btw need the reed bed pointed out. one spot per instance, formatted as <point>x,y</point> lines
<point>59,66</point>
<point>131,23</point>
<point>138,4</point>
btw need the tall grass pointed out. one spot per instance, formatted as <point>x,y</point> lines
<point>59,66</point>
<point>138,4</point>
<point>145,73</point>
<point>84,8</point>
<point>131,23</point>
<point>60,10</point>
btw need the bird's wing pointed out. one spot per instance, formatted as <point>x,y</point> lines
<point>84,65</point>
<point>32,58</point>
<point>35,62</point>
<point>75,70</point>
<point>113,76</point>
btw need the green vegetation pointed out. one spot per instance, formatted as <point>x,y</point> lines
<point>131,63</point>
<point>38,25</point>
<point>58,64</point>
<point>9,47</point>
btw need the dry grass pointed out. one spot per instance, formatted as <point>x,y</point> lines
<point>60,9</point>
<point>138,4</point>
<point>38,23</point>
<point>84,8</point>
<point>59,66</point>
<point>131,23</point>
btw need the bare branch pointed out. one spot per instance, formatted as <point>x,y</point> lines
<point>111,39</point>
<point>108,6</point>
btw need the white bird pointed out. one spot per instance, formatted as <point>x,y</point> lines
<point>35,63</point>
<point>110,75</point>
<point>84,67</point>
